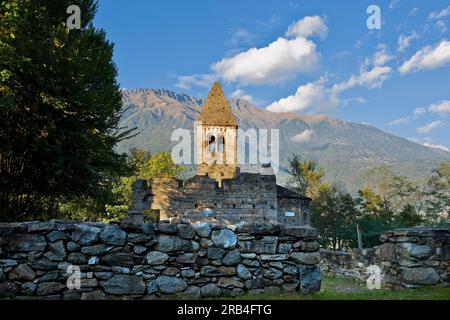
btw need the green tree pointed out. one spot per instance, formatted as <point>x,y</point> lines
<point>334,214</point>
<point>146,166</point>
<point>59,108</point>
<point>395,191</point>
<point>306,177</point>
<point>437,205</point>
<point>390,202</point>
<point>159,165</point>
<point>408,217</point>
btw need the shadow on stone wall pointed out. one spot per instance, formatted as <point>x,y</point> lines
<point>407,258</point>
<point>72,260</point>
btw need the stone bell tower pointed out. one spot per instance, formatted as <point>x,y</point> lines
<point>216,137</point>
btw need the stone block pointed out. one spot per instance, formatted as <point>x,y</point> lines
<point>305,257</point>
<point>169,243</point>
<point>120,284</point>
<point>156,258</point>
<point>309,279</point>
<point>232,258</point>
<point>187,258</point>
<point>186,231</point>
<point>224,238</point>
<point>170,285</point>
<point>300,232</point>
<point>113,236</point>
<point>212,271</point>
<point>27,242</point>
<point>420,276</point>
<point>85,235</point>
<point>211,290</point>
<point>215,253</point>
<point>243,272</point>
<point>202,229</point>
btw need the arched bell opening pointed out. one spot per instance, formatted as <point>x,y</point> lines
<point>221,149</point>
<point>211,143</point>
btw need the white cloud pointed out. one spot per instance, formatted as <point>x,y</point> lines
<point>381,56</point>
<point>303,136</point>
<point>313,96</point>
<point>281,60</point>
<point>372,74</point>
<point>428,58</point>
<point>415,114</point>
<point>436,15</point>
<point>399,121</point>
<point>393,4</point>
<point>241,37</point>
<point>307,27</point>
<point>373,78</point>
<point>441,26</point>
<point>317,97</point>
<point>421,140</point>
<point>441,107</point>
<point>413,11</point>
<point>428,142</point>
<point>293,4</point>
<point>419,111</point>
<point>431,126</point>
<point>404,41</point>
<point>355,100</point>
<point>199,80</point>
<point>436,146</point>
<point>241,94</point>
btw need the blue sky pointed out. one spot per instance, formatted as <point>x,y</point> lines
<point>295,55</point>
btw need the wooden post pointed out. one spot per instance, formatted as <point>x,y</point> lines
<point>358,232</point>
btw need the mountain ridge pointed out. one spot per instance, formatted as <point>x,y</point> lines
<point>343,148</point>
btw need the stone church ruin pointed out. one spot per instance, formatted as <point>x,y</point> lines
<point>220,191</point>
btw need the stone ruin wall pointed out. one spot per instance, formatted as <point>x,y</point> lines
<point>351,263</point>
<point>129,261</point>
<point>217,172</point>
<point>407,258</point>
<point>300,207</point>
<point>247,197</point>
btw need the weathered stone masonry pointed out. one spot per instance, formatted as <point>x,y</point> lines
<point>248,197</point>
<point>128,261</point>
<point>415,256</point>
<point>407,258</point>
<point>220,191</point>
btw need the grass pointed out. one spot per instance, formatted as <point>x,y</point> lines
<point>334,288</point>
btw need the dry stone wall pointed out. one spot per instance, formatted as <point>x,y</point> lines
<point>246,197</point>
<point>352,263</point>
<point>415,256</point>
<point>407,258</point>
<point>45,260</point>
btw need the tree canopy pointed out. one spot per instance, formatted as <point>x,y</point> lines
<point>389,201</point>
<point>60,105</point>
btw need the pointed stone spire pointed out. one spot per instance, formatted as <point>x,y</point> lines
<point>217,111</point>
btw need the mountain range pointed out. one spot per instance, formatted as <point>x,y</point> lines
<point>344,149</point>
